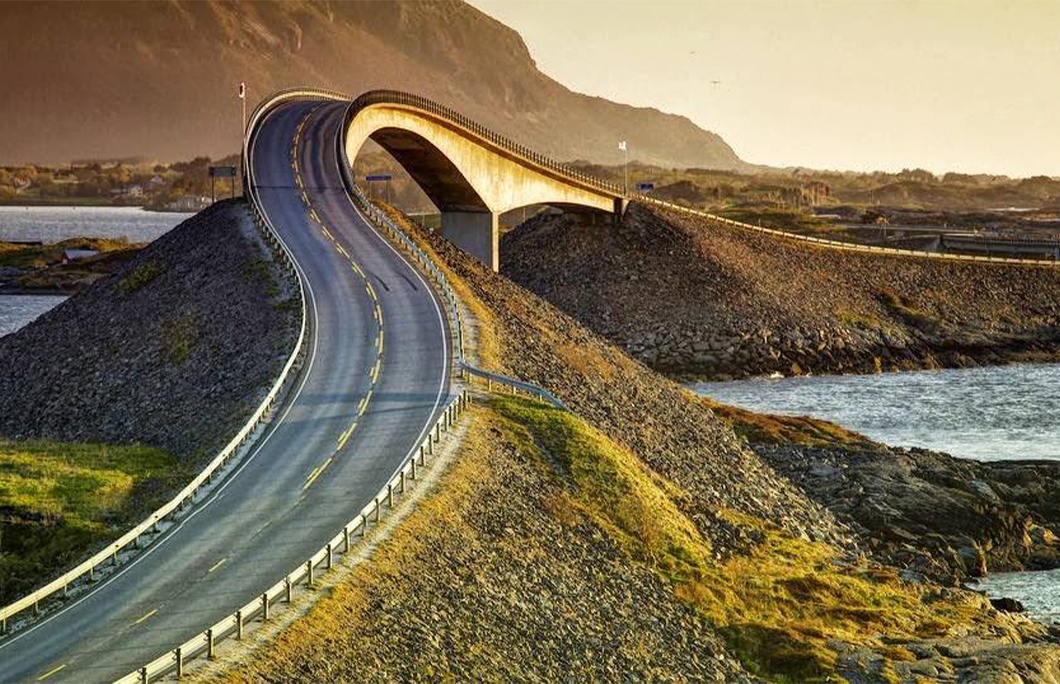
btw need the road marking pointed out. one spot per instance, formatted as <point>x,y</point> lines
<point>346,435</point>
<point>317,473</point>
<point>247,460</point>
<point>305,198</point>
<point>49,673</point>
<point>146,616</point>
<point>342,251</point>
<point>375,369</point>
<point>313,215</point>
<point>216,565</point>
<point>327,233</point>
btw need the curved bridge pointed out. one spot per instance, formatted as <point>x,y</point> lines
<point>470,173</point>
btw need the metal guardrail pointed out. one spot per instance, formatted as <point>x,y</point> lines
<point>305,574</point>
<point>204,643</point>
<point>149,529</point>
<point>843,246</point>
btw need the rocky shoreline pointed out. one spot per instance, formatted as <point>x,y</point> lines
<point>696,299</point>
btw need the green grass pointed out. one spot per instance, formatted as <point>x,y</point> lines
<point>778,606</point>
<point>58,500</point>
<point>179,337</point>
<point>141,275</point>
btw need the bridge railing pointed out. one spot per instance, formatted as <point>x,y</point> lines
<point>452,116</point>
<point>837,244</point>
<point>449,298</point>
<point>147,531</point>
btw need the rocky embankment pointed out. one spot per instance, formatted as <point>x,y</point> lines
<point>174,349</point>
<point>690,297</point>
<point>930,514</point>
<point>846,612</point>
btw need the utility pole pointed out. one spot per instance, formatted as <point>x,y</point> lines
<point>625,165</point>
<point>242,130</point>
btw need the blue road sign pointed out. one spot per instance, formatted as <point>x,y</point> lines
<point>644,187</point>
<point>377,177</point>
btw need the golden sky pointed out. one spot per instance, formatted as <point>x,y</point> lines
<point>955,85</point>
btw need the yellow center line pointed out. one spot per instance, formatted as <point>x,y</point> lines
<point>342,251</point>
<point>305,198</point>
<point>49,673</point>
<point>216,565</point>
<point>346,435</point>
<point>379,341</point>
<point>327,233</point>
<point>317,473</point>
<point>146,616</point>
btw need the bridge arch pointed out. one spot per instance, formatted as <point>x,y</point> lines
<point>470,173</point>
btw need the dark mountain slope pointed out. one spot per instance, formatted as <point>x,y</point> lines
<point>93,79</point>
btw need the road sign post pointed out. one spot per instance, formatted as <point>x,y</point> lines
<point>385,177</point>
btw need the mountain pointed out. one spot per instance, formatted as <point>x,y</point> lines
<point>159,79</point>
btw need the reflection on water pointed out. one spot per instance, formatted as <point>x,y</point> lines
<point>1006,412</point>
<point>52,224</point>
<point>19,310</point>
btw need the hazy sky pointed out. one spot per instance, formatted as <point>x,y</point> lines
<point>962,85</point>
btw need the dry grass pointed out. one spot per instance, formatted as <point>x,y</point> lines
<point>779,605</point>
<point>774,429</point>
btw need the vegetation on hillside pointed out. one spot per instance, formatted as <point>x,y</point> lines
<point>779,604</point>
<point>59,500</point>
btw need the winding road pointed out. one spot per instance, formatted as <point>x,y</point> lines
<point>376,375</point>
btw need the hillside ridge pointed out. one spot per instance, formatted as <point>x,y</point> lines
<point>135,69</point>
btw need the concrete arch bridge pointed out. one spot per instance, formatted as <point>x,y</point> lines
<point>471,173</point>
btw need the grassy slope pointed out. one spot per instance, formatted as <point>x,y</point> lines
<point>445,597</point>
<point>58,500</point>
<point>778,605</point>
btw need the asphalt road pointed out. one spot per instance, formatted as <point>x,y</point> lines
<point>342,436</point>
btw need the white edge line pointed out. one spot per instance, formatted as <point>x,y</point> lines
<point>216,494</point>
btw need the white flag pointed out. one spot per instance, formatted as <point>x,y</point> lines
<point>622,145</point>
<point>242,90</point>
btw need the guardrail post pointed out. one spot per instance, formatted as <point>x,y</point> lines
<point>309,573</point>
<point>389,495</point>
<point>401,484</point>
<point>239,624</point>
<point>143,675</point>
<point>327,563</point>
<point>375,512</point>
<point>209,644</point>
<point>346,539</point>
<point>364,524</point>
<point>36,607</point>
<point>3,626</point>
<point>414,464</point>
<point>180,662</point>
<point>265,603</point>
<point>423,459</point>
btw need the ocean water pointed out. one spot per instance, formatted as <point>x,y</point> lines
<point>1005,412</point>
<point>19,310</point>
<point>52,224</point>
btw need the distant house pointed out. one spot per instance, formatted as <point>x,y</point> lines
<point>70,255</point>
<point>135,190</point>
<point>156,182</point>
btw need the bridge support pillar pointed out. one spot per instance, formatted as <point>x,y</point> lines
<point>474,232</point>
